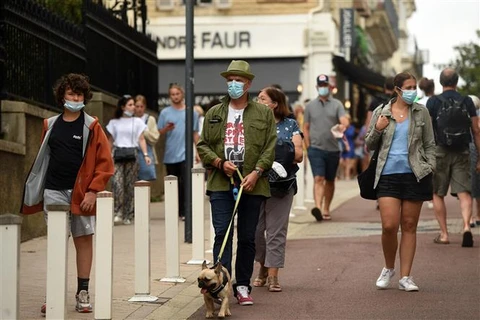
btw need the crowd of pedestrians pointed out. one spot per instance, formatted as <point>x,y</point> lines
<point>427,146</point>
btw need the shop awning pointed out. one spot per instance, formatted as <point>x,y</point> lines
<point>362,76</point>
<point>285,72</point>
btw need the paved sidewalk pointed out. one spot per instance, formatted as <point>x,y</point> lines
<point>354,218</point>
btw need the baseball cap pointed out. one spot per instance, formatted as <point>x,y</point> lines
<point>322,79</point>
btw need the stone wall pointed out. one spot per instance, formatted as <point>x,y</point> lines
<point>22,124</point>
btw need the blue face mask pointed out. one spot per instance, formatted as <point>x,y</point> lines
<point>409,96</point>
<point>235,89</point>
<point>323,91</point>
<point>74,106</point>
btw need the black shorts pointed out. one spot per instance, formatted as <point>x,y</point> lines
<point>404,186</point>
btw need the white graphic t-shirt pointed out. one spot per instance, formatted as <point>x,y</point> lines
<point>234,138</point>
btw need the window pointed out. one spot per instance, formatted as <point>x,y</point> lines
<point>165,4</point>
<point>200,2</point>
<point>280,1</point>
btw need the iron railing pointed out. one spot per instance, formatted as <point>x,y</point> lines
<point>132,66</point>
<point>39,46</point>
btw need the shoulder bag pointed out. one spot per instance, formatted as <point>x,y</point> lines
<point>125,154</point>
<point>366,179</point>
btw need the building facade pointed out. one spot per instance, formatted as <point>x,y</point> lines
<point>287,42</point>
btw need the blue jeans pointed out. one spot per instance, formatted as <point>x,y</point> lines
<point>222,203</point>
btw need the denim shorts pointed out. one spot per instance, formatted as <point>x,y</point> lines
<point>324,163</point>
<point>404,186</point>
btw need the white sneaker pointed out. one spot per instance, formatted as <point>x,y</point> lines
<point>384,280</point>
<point>243,297</point>
<point>407,284</point>
<point>117,219</point>
<point>430,205</point>
<point>127,222</point>
<point>83,302</point>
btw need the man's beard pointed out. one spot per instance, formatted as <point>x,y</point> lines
<point>177,100</point>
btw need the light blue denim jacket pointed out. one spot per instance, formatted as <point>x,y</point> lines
<point>421,142</point>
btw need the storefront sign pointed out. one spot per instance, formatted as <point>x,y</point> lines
<point>227,37</point>
<point>209,40</point>
<point>347,28</point>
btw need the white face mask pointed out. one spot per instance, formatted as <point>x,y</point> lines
<point>323,91</point>
<point>128,113</point>
<point>73,106</point>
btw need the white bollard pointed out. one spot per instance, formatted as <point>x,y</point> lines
<point>300,196</point>
<point>142,243</point>
<point>172,253</point>
<point>198,217</point>
<point>57,254</point>
<point>10,227</point>
<point>309,198</point>
<point>104,256</point>
<point>212,233</point>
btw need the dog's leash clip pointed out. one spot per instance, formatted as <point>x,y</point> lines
<point>234,189</point>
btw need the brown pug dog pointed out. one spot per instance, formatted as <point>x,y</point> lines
<point>216,285</point>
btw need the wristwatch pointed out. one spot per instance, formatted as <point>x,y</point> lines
<point>259,171</point>
<point>145,155</point>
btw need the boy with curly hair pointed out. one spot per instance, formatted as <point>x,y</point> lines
<point>76,161</point>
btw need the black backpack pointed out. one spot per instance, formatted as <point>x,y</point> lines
<point>453,124</point>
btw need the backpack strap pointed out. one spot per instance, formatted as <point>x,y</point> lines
<point>444,100</point>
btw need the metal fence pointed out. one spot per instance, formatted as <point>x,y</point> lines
<point>38,46</point>
<point>120,60</point>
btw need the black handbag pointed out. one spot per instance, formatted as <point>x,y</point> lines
<point>124,154</point>
<point>282,187</point>
<point>366,179</point>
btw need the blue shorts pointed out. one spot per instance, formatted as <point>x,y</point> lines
<point>324,163</point>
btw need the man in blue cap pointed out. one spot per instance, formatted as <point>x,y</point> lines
<point>320,116</point>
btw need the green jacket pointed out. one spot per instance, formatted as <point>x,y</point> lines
<point>421,142</point>
<point>260,134</point>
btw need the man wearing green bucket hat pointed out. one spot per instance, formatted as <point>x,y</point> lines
<point>237,145</point>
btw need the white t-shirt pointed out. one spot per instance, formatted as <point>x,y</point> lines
<point>126,131</point>
<point>423,100</point>
<point>234,137</point>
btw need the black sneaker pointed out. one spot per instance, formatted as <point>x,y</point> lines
<point>467,239</point>
<point>317,214</point>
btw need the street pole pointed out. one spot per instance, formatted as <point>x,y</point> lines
<point>3,65</point>
<point>347,82</point>
<point>143,14</point>
<point>189,98</point>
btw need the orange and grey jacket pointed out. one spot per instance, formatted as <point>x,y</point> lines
<point>95,171</point>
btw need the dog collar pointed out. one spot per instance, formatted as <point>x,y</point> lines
<point>214,293</point>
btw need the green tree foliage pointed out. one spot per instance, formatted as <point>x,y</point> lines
<point>69,9</point>
<point>467,64</point>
